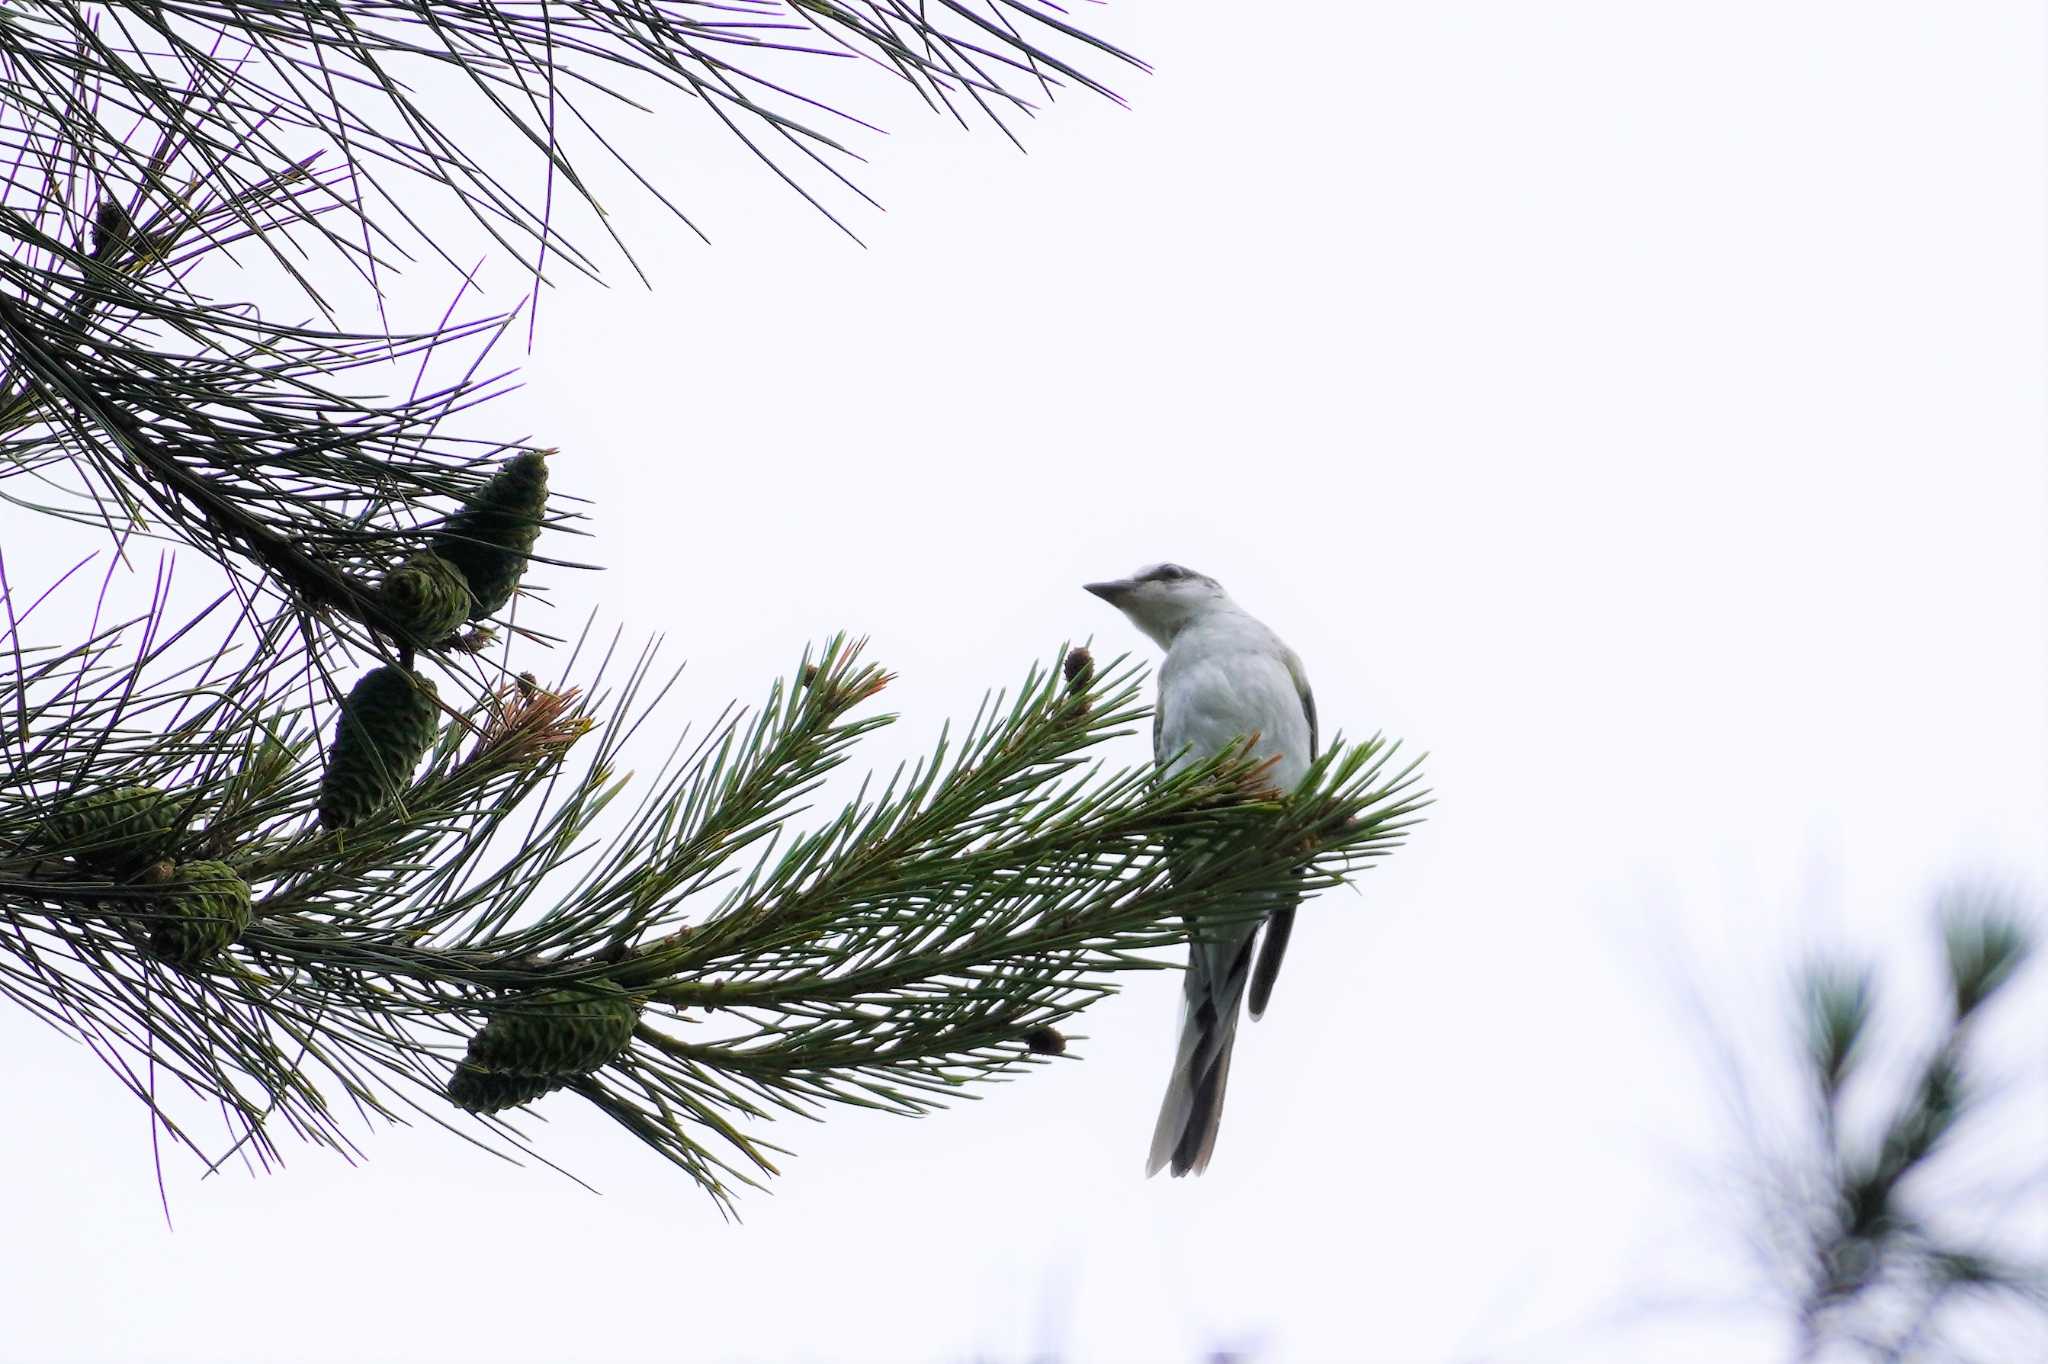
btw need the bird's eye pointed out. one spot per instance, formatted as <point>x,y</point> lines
<point>1168,573</point>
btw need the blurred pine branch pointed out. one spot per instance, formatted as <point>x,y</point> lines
<point>1874,1262</point>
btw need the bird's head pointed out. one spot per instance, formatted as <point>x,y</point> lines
<point>1161,599</point>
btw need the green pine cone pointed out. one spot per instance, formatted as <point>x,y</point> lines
<point>560,1033</point>
<point>490,538</point>
<point>118,829</point>
<point>426,597</point>
<point>205,906</point>
<point>386,726</point>
<point>488,1091</point>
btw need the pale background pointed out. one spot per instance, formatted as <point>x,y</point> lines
<point>1639,407</point>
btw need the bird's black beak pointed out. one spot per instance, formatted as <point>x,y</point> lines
<point>1113,593</point>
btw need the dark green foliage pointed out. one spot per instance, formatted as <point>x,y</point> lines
<point>559,1033</point>
<point>1837,1009</point>
<point>205,906</point>
<point>1983,951</point>
<point>491,1091</point>
<point>116,830</point>
<point>426,598</point>
<point>1918,1129</point>
<point>490,538</point>
<point>387,724</point>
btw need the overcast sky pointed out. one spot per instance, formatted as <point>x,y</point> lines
<point>1639,407</point>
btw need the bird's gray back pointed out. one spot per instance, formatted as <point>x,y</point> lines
<point>1227,676</point>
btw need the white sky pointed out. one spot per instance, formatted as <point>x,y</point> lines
<point>1638,406</point>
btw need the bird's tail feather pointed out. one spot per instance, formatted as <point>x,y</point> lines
<point>1185,1134</point>
<point>1205,1117</point>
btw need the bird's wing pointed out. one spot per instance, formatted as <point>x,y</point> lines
<point>1308,704</point>
<point>1272,951</point>
<point>1280,923</point>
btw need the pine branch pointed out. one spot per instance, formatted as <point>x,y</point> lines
<point>305,857</point>
<point>910,946</point>
<point>249,86</point>
<point>136,403</point>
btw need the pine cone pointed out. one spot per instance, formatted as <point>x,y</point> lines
<point>559,1033</point>
<point>490,538</point>
<point>387,724</point>
<point>110,228</point>
<point>488,1091</point>
<point>116,830</point>
<point>1046,1040</point>
<point>426,597</point>
<point>1079,667</point>
<point>204,907</point>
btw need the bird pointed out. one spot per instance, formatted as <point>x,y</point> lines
<point>1227,679</point>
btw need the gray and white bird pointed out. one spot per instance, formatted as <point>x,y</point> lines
<point>1226,678</point>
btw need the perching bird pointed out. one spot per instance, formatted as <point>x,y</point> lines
<point>1226,678</point>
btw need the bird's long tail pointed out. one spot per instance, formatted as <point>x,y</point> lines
<point>1185,1134</point>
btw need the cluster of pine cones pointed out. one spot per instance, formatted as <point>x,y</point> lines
<point>388,722</point>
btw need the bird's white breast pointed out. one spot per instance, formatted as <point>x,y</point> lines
<point>1226,678</point>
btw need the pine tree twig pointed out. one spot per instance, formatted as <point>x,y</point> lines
<point>241,83</point>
